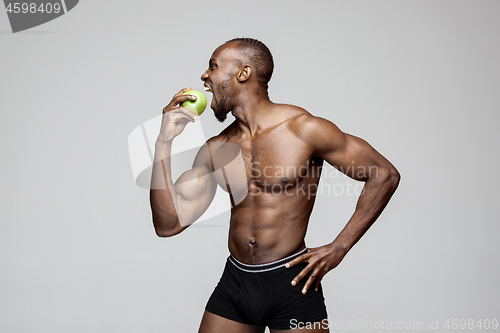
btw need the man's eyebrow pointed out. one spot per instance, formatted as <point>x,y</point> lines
<point>212,60</point>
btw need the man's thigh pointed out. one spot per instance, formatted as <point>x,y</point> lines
<point>212,323</point>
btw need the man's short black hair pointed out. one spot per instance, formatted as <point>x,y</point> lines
<point>257,53</point>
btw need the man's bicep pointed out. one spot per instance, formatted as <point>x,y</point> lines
<point>356,158</point>
<point>198,181</point>
<point>195,190</point>
<point>349,154</point>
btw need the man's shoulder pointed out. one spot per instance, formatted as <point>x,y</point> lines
<point>305,125</point>
<point>294,117</point>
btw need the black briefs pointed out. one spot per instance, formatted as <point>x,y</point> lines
<point>263,295</point>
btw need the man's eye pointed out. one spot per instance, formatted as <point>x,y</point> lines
<point>213,66</point>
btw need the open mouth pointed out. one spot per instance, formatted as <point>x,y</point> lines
<point>208,88</point>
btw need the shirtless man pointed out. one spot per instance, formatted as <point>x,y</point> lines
<point>271,278</point>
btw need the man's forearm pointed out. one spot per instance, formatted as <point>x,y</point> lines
<point>163,198</point>
<point>375,196</point>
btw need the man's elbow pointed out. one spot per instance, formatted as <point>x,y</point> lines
<point>394,178</point>
<point>390,176</point>
<point>164,232</point>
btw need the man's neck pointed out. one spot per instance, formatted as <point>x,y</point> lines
<point>253,111</point>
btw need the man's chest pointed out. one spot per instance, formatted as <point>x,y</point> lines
<point>277,157</point>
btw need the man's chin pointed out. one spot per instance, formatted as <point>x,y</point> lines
<point>219,114</point>
<point>220,117</point>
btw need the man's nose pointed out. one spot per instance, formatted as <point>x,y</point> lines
<point>204,76</point>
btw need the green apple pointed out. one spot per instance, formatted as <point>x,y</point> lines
<point>198,105</point>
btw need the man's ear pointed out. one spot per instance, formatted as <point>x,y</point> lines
<point>245,73</point>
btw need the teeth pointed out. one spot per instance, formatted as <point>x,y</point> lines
<point>207,89</point>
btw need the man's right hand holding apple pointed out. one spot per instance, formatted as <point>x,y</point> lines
<point>175,117</point>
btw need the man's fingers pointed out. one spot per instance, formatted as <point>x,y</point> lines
<point>177,100</point>
<point>297,260</point>
<point>318,280</point>
<point>302,273</point>
<point>185,112</point>
<point>310,280</point>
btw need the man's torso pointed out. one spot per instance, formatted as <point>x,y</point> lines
<point>273,197</point>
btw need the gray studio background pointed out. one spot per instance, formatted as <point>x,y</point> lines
<point>419,80</point>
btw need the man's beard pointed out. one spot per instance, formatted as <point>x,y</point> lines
<point>221,109</point>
